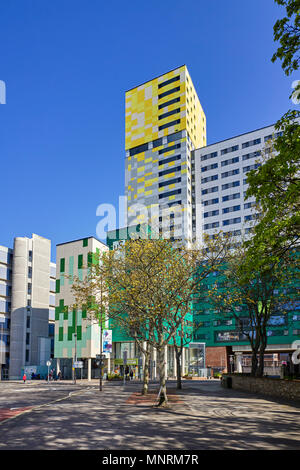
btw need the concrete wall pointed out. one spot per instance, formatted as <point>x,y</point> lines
<point>285,389</point>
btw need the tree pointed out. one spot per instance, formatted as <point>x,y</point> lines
<point>275,184</point>
<point>151,286</point>
<point>287,32</point>
<point>182,339</point>
<point>91,295</point>
<point>258,291</point>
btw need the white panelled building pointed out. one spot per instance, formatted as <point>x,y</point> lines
<point>27,305</point>
<point>220,173</point>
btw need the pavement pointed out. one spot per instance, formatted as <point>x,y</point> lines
<point>201,416</point>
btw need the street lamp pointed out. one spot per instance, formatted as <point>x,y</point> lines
<point>101,348</point>
<point>48,364</point>
<point>75,349</point>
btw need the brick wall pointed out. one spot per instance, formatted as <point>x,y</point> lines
<point>286,389</point>
<point>218,357</point>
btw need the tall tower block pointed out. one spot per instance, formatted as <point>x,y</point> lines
<point>164,123</point>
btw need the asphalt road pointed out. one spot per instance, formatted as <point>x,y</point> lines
<point>204,416</point>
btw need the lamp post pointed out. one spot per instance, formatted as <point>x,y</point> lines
<point>75,349</point>
<point>48,364</point>
<point>101,348</point>
<point>2,321</point>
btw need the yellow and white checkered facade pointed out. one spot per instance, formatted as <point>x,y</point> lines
<point>164,123</point>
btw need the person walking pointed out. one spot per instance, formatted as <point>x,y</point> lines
<point>131,374</point>
<point>24,378</point>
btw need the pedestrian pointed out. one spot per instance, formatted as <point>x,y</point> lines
<point>24,378</point>
<point>131,374</point>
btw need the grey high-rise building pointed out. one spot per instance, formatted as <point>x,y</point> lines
<point>27,304</point>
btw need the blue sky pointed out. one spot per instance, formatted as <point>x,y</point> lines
<point>67,65</point>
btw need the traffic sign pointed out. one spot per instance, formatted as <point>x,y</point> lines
<point>78,365</point>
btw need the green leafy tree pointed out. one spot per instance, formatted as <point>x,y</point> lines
<point>151,287</point>
<point>275,184</point>
<point>258,291</point>
<point>287,32</point>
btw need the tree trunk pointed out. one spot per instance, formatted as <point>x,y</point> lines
<point>178,352</point>
<point>263,345</point>
<point>260,369</point>
<point>254,363</point>
<point>162,399</point>
<point>146,371</point>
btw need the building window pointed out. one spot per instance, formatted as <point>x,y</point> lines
<point>209,178</point>
<point>229,149</point>
<point>171,170</point>
<point>168,103</point>
<point>172,181</point>
<point>209,167</point>
<point>214,189</point>
<point>138,149</point>
<point>167,82</point>
<point>62,265</point>
<point>173,137</point>
<point>230,173</point>
<point>168,149</point>
<point>247,156</point>
<point>169,113</point>
<point>212,225</point>
<point>211,201</point>
<point>174,158</point>
<point>236,220</point>
<point>208,156</point>
<point>80,261</point>
<point>231,209</point>
<point>169,92</point>
<point>169,124</point>
<point>157,143</point>
<point>170,193</point>
<point>251,142</point>
<point>230,185</point>
<point>230,161</point>
<point>211,213</point>
<point>248,205</point>
<point>229,197</point>
<point>251,167</point>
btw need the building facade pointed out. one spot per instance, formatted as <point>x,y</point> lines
<point>227,347</point>
<point>164,123</point>
<point>77,336</point>
<point>192,358</point>
<point>27,302</point>
<point>220,176</point>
